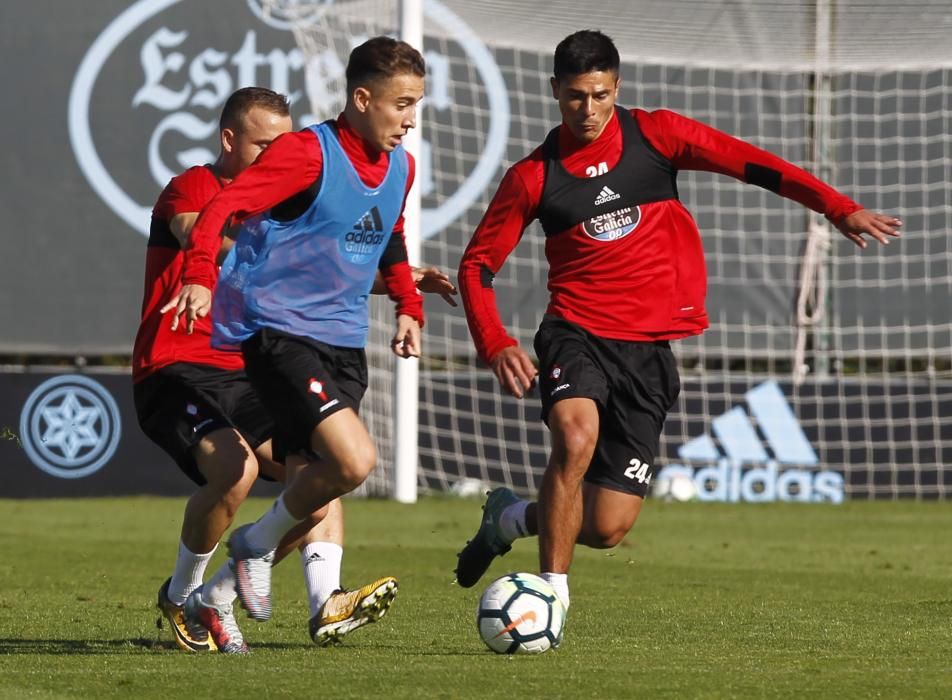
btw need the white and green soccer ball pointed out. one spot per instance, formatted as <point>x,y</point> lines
<point>520,614</point>
<point>674,484</point>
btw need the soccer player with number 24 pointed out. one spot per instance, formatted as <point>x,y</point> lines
<point>626,277</point>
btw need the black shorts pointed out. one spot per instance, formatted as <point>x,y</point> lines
<point>301,382</point>
<point>180,404</point>
<point>634,385</point>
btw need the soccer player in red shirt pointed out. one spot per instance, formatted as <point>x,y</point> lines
<point>196,402</point>
<point>292,294</point>
<point>626,277</point>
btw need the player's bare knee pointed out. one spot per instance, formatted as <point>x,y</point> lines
<point>576,440</point>
<point>357,465</point>
<point>228,473</point>
<point>232,483</point>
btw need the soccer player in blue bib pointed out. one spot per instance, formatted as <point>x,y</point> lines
<point>322,211</point>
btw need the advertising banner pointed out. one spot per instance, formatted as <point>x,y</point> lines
<point>73,435</point>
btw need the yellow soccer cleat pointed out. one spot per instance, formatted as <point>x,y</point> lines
<point>345,611</point>
<point>187,638</point>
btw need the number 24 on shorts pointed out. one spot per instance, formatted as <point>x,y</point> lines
<point>638,470</point>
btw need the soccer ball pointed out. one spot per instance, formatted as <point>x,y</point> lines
<point>520,614</point>
<point>672,484</point>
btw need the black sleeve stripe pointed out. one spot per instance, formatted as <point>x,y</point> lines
<point>395,252</point>
<point>486,277</point>
<point>161,236</point>
<point>762,176</point>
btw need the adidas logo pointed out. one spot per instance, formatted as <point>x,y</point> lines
<point>739,439</point>
<point>315,556</point>
<point>368,229</point>
<point>370,221</point>
<point>363,242</point>
<point>757,457</point>
<point>605,196</point>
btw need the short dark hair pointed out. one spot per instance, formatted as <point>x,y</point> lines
<point>242,101</point>
<point>586,51</point>
<point>380,58</point>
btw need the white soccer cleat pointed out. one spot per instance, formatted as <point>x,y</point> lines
<point>219,622</point>
<point>252,574</point>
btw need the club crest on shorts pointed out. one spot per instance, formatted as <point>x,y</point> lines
<point>556,372</point>
<point>316,387</point>
<point>614,225</point>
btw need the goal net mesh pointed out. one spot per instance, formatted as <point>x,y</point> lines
<point>859,342</point>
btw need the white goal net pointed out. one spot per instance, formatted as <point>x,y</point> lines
<point>846,353</point>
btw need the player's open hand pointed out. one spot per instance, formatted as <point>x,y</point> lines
<point>876,225</point>
<point>432,280</point>
<point>406,341</point>
<point>514,370</point>
<point>194,300</point>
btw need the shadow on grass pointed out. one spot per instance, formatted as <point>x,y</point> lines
<point>11,647</point>
<point>104,647</point>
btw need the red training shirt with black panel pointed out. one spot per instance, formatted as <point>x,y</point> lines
<point>625,256</point>
<point>156,344</point>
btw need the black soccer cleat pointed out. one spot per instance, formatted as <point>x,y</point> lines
<point>488,543</point>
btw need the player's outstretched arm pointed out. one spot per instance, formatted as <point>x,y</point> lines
<point>432,280</point>
<point>406,340</point>
<point>880,227</point>
<point>429,280</point>
<point>514,370</point>
<point>194,300</point>
<point>692,145</point>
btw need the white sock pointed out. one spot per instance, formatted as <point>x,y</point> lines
<point>188,574</point>
<point>221,588</point>
<point>321,561</point>
<point>512,522</point>
<point>560,582</point>
<point>265,534</point>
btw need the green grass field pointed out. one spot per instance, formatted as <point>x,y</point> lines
<point>700,601</point>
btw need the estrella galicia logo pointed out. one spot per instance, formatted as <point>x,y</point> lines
<point>614,225</point>
<point>186,74</point>
<point>361,243</point>
<point>738,467</point>
<point>70,426</point>
<point>288,14</point>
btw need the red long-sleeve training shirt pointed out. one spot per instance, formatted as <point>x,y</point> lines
<point>157,345</point>
<point>291,164</point>
<point>647,286</point>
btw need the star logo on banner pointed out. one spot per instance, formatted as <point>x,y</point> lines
<point>70,426</point>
